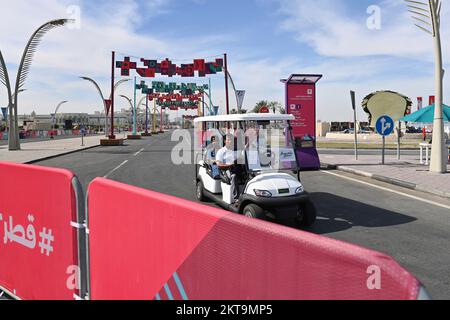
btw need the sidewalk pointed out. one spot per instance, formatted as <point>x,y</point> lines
<point>37,151</point>
<point>406,173</point>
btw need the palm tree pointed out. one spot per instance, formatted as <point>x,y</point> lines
<point>272,105</point>
<point>276,106</point>
<point>259,105</point>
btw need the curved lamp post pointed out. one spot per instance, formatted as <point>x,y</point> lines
<point>235,91</point>
<point>22,73</point>
<point>56,112</point>
<point>12,99</point>
<point>105,106</point>
<point>141,102</point>
<point>427,14</point>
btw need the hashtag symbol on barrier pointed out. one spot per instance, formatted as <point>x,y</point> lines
<point>46,241</point>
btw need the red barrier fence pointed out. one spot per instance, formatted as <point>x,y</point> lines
<point>38,246</point>
<point>145,245</point>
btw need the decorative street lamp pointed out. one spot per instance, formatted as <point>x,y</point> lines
<point>427,14</point>
<point>56,112</point>
<point>105,102</point>
<point>134,112</point>
<point>22,73</point>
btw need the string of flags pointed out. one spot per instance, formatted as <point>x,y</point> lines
<point>150,68</point>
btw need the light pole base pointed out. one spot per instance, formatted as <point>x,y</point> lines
<point>146,134</point>
<point>134,137</point>
<point>111,142</point>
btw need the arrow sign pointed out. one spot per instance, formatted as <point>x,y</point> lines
<point>385,126</point>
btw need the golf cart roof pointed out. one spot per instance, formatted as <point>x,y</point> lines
<point>246,117</point>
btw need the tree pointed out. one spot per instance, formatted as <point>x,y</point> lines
<point>259,105</point>
<point>274,106</point>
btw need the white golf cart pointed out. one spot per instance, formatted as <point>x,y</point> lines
<point>266,167</point>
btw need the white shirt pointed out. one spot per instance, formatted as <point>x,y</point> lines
<point>226,156</point>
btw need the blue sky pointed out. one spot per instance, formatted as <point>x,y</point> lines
<point>266,40</point>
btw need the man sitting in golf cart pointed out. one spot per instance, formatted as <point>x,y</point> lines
<point>226,159</point>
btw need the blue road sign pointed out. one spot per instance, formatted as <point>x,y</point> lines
<point>385,126</point>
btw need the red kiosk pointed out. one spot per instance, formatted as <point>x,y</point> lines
<point>301,102</point>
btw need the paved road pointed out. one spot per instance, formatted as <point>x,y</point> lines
<point>415,233</point>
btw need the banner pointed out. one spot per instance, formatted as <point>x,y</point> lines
<point>151,68</point>
<point>240,95</point>
<point>108,104</point>
<point>419,103</point>
<point>5,114</point>
<point>184,88</point>
<point>431,100</point>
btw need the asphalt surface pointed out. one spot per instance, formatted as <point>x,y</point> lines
<point>413,232</point>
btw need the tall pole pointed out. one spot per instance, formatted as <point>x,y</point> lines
<point>154,116</point>
<point>438,154</point>
<point>399,141</point>
<point>134,109</point>
<point>146,115</point>
<point>112,136</point>
<point>203,104</point>
<point>211,107</point>
<point>353,96</point>
<point>227,99</point>
<point>161,128</point>
<point>427,15</point>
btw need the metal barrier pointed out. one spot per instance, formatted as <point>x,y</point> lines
<point>145,245</point>
<point>41,223</point>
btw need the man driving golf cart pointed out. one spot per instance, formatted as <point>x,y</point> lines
<point>260,179</point>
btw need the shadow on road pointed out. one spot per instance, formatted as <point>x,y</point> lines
<point>338,214</point>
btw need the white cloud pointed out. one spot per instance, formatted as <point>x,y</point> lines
<point>333,30</point>
<point>65,54</point>
<point>350,56</point>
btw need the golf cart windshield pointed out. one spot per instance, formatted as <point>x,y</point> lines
<point>270,149</point>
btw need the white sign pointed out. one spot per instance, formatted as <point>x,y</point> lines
<point>287,155</point>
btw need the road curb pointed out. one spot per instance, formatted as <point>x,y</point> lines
<point>60,155</point>
<point>396,182</point>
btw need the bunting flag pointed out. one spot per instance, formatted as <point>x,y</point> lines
<point>150,68</point>
<point>5,114</point>
<point>184,88</point>
<point>144,88</point>
<point>175,105</point>
<point>174,97</point>
<point>108,104</point>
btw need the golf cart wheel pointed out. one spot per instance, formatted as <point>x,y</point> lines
<point>199,192</point>
<point>307,214</point>
<point>254,211</point>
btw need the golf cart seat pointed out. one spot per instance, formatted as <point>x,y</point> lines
<point>213,172</point>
